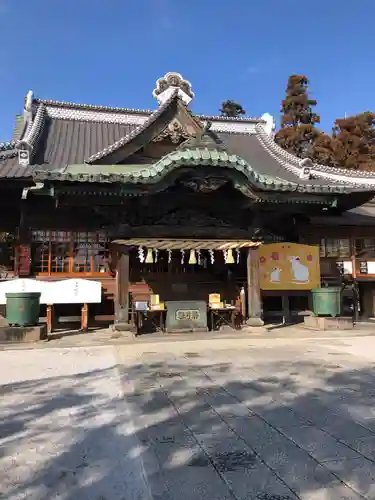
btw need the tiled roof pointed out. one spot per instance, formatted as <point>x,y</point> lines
<point>293,164</point>
<point>250,149</point>
<point>68,142</point>
<point>9,165</point>
<point>63,133</point>
<point>135,111</point>
<point>92,107</point>
<point>134,133</point>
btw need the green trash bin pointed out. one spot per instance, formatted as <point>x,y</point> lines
<point>22,308</point>
<point>326,301</point>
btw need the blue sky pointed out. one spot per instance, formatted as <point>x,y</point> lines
<point>112,51</point>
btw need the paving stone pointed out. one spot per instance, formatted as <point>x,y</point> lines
<point>169,431</point>
<point>198,416</point>
<point>176,453</point>
<point>359,474</point>
<point>296,468</point>
<point>319,444</point>
<point>185,469</point>
<point>222,441</point>
<point>345,429</point>
<point>225,404</point>
<point>255,399</point>
<point>193,483</point>
<point>77,440</point>
<point>364,446</point>
<point>258,483</point>
<point>255,431</point>
<point>282,417</point>
<point>341,428</point>
<point>201,421</point>
<point>336,491</point>
<point>368,423</point>
<point>241,467</point>
<point>279,380</point>
<point>294,465</point>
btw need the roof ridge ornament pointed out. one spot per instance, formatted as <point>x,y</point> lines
<point>205,138</point>
<point>28,110</point>
<point>29,101</point>
<point>168,83</point>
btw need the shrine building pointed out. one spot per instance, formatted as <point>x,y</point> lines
<point>171,207</point>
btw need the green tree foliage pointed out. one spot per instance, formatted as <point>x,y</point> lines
<point>354,141</point>
<point>231,109</point>
<point>298,133</point>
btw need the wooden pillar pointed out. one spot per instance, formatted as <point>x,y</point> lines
<point>254,302</point>
<point>22,250</point>
<point>122,290</point>
<point>84,318</point>
<point>49,319</point>
<point>243,304</point>
<point>286,308</point>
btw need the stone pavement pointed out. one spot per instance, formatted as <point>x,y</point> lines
<point>65,432</point>
<point>246,419</point>
<point>106,336</point>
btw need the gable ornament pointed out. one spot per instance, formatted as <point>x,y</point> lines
<point>166,85</point>
<point>174,132</point>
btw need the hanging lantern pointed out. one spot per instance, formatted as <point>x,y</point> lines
<point>141,254</point>
<point>149,257</point>
<point>230,258</point>
<point>192,257</point>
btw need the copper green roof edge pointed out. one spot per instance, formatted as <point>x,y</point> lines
<point>88,169</point>
<point>188,157</point>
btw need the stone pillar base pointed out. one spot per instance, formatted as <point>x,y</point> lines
<point>254,322</point>
<point>124,328</point>
<point>324,323</point>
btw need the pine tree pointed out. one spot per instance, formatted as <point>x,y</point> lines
<point>352,144</point>
<point>354,141</point>
<point>298,132</point>
<point>231,109</point>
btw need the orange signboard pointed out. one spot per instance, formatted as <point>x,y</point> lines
<point>289,266</point>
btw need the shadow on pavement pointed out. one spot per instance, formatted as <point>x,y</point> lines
<point>196,429</point>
